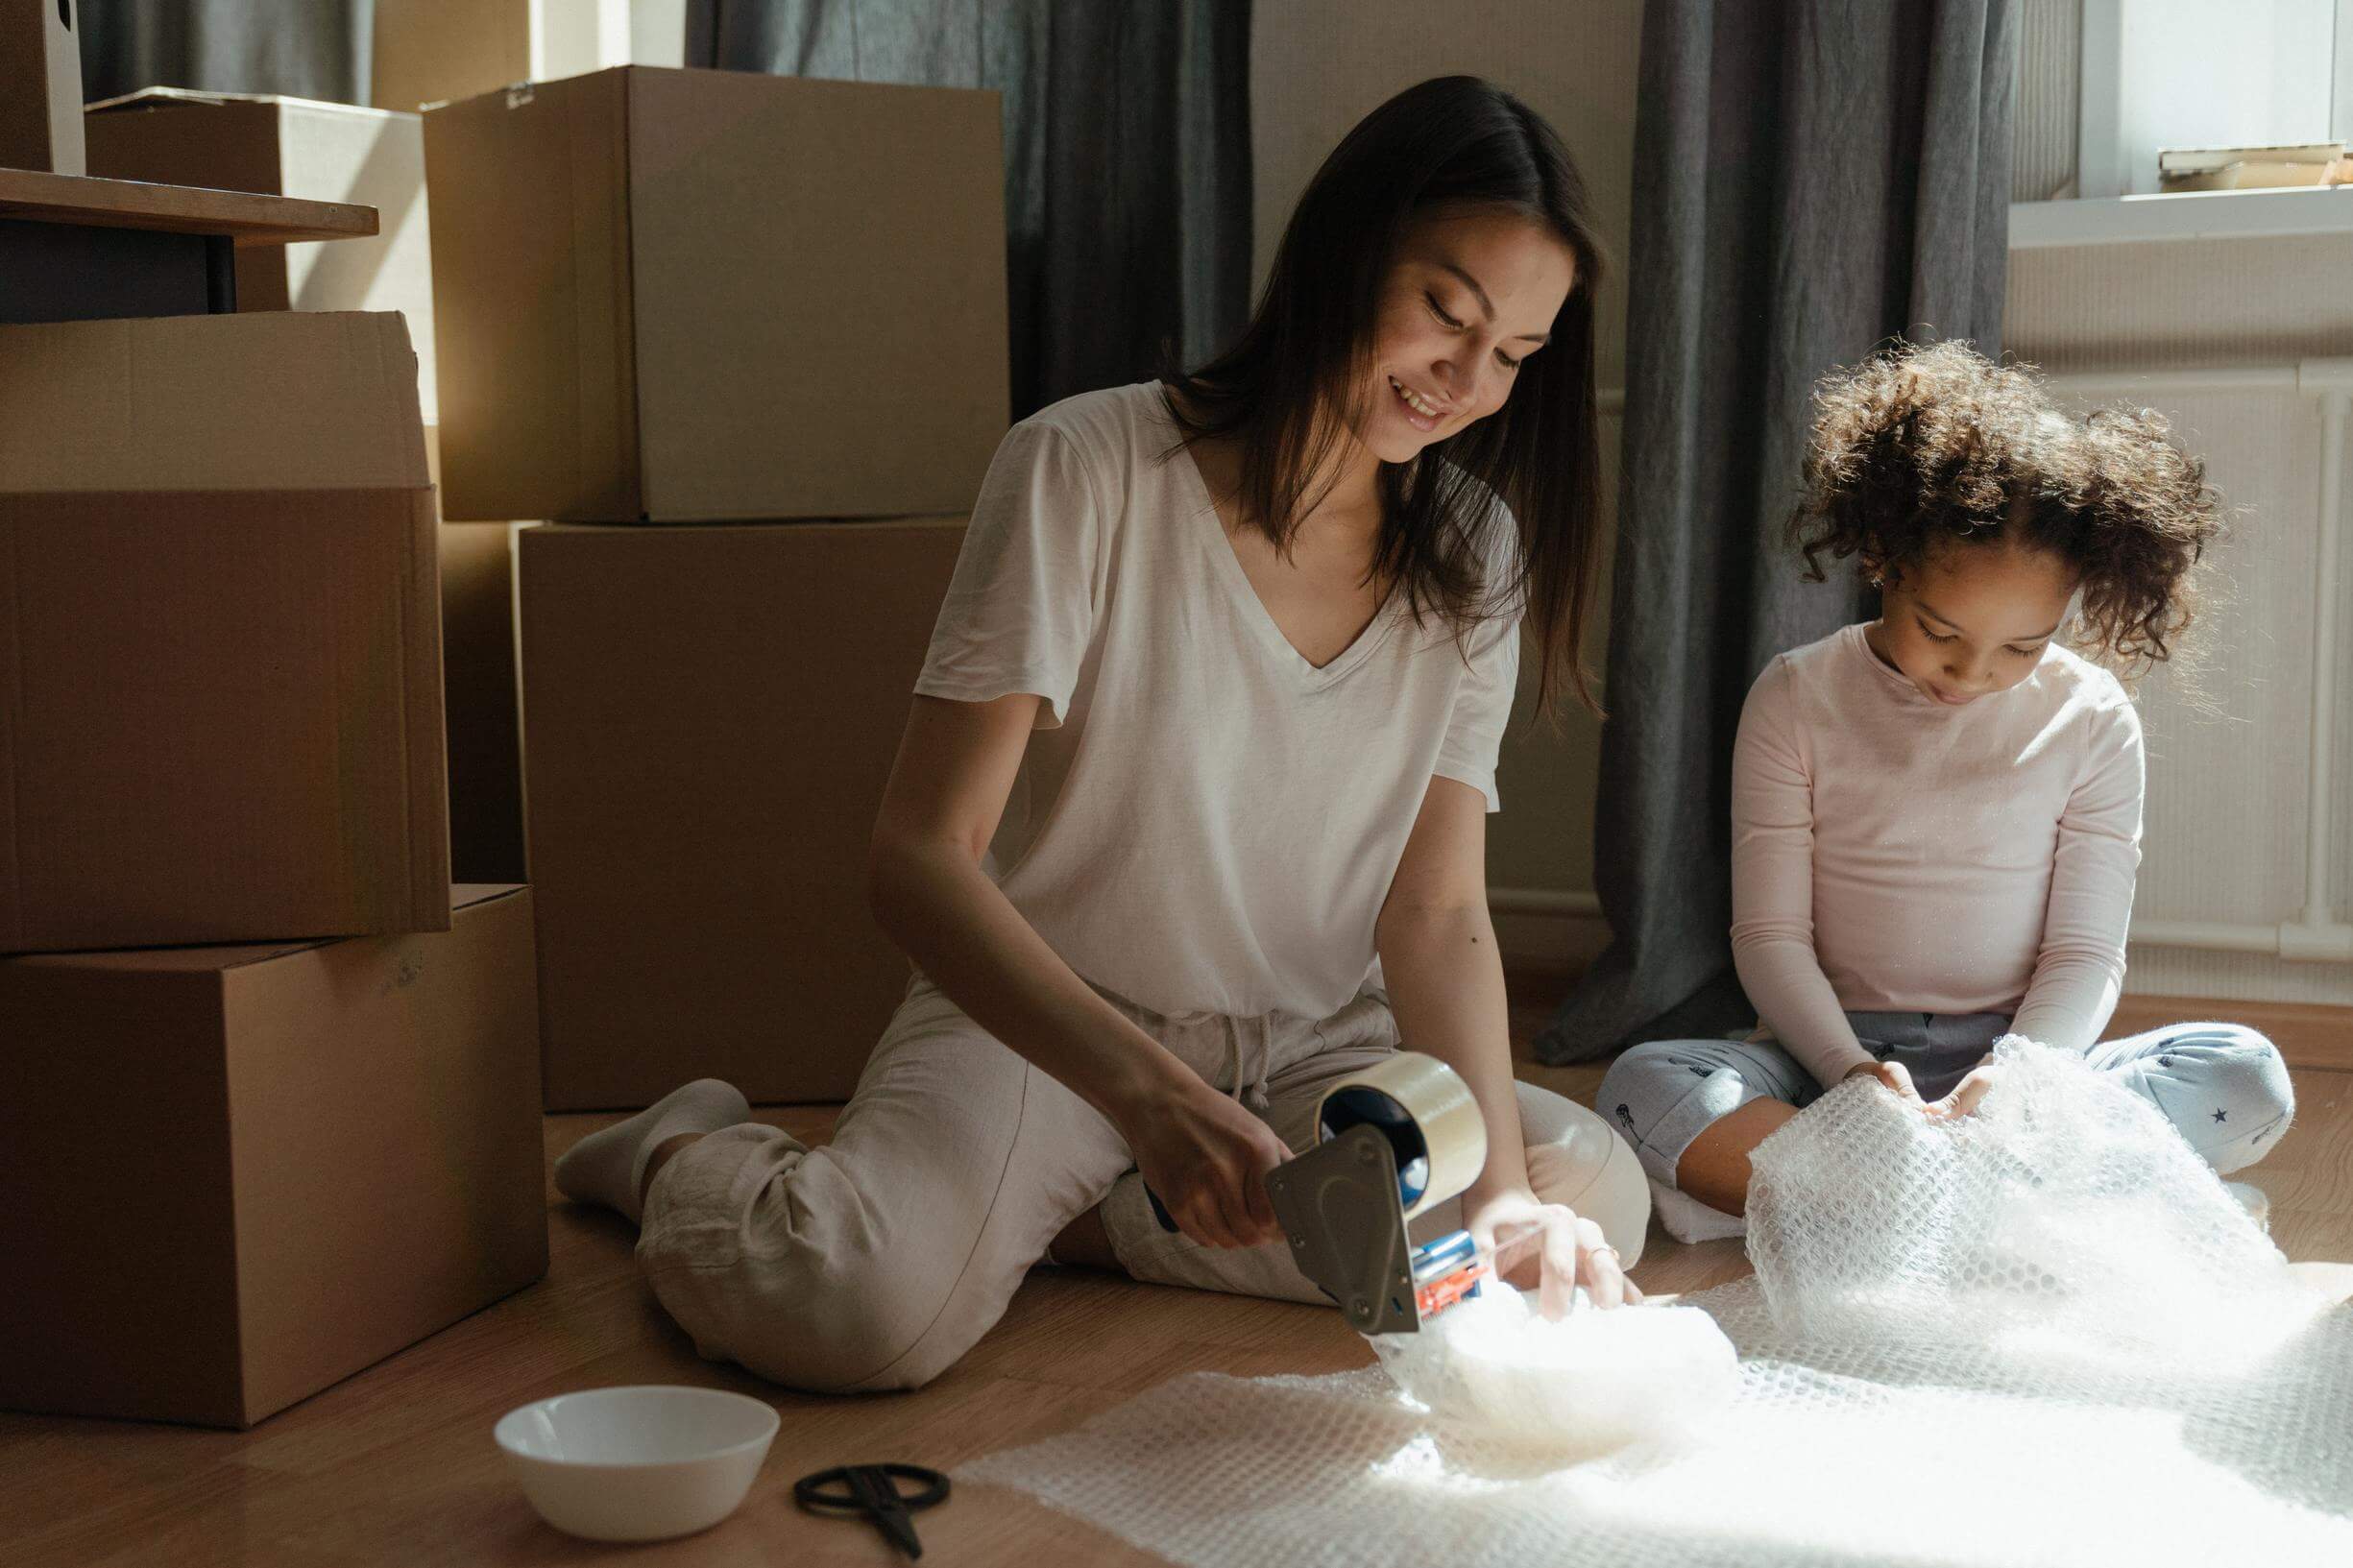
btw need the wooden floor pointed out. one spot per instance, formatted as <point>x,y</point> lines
<point>396,1466</point>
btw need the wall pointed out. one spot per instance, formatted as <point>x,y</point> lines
<point>2227,791</point>
<point>2227,794</point>
<point>1318,66</point>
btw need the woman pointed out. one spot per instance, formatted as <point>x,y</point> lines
<point>1221,673</point>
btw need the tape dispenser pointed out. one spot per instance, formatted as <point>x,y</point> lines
<point>1391,1142</point>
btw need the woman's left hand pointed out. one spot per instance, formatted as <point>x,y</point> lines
<point>1547,1247</point>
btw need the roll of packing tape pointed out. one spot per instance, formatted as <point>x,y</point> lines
<point>1427,1113</point>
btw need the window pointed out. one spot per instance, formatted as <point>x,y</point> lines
<point>2203,73</point>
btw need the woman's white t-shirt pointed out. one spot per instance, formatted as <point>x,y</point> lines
<point>1206,821</point>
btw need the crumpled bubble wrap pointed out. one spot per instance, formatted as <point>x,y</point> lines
<point>1586,1384</point>
<point>2043,1335</point>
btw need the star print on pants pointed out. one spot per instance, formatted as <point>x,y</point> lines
<point>2221,1116</point>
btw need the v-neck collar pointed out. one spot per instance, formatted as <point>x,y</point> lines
<point>1227,566</point>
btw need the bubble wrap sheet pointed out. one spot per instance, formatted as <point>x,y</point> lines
<point>2041,1335</point>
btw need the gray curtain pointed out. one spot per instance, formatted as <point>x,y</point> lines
<point>1810,177</point>
<point>301,48</point>
<point>1128,157</point>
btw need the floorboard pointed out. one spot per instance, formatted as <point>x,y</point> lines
<point>396,1464</point>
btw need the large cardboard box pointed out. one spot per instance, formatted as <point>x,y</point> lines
<point>711,714</point>
<point>219,640</point>
<point>694,296</point>
<point>431,51</point>
<point>293,147</point>
<point>41,88</point>
<point>236,1176</point>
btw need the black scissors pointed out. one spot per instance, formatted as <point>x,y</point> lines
<point>873,1490</point>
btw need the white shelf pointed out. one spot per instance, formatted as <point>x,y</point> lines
<point>2204,214</point>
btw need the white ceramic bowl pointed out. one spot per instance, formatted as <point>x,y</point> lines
<point>637,1463</point>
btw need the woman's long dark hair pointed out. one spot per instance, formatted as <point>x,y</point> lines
<point>1285,389</point>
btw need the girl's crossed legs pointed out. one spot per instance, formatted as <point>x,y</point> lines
<point>1694,1108</point>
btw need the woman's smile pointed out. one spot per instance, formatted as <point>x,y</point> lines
<point>1424,414</point>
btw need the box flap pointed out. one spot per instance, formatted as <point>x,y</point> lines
<point>149,97</point>
<point>273,401</point>
<point>156,97</point>
<point>160,97</point>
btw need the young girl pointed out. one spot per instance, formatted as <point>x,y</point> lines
<point>1936,816</point>
<point>1222,672</point>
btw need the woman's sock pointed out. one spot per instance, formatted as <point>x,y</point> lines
<point>609,1166</point>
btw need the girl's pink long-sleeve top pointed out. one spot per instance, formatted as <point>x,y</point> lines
<point>1892,854</point>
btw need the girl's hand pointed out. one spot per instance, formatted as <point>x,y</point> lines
<point>1893,1075</point>
<point>1966,1094</point>
<point>1206,1159</point>
<point>1545,1245</point>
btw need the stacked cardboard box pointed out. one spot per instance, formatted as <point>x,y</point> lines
<point>224,669</point>
<point>292,146</point>
<point>335,152</point>
<point>236,1174</point>
<point>712,712</point>
<point>697,295</point>
<point>735,303</point>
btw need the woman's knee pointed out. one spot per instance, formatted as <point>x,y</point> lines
<point>800,1290</point>
<point>866,1324</point>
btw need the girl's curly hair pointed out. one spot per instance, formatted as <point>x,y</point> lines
<point>1923,448</point>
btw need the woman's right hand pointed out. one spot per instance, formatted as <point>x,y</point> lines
<point>1206,1159</point>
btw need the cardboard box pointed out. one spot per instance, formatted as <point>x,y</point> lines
<point>482,693</point>
<point>432,51</point>
<point>710,715</point>
<point>707,295</point>
<point>293,147</point>
<point>220,640</point>
<point>41,88</point>
<point>236,1176</point>
<point>2253,168</point>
